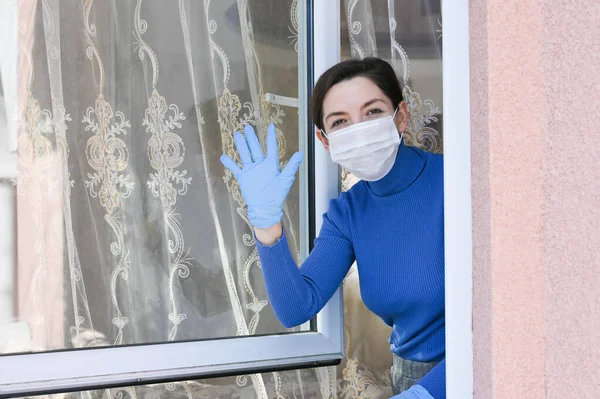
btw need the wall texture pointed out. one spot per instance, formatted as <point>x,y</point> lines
<point>535,100</point>
<point>571,145</point>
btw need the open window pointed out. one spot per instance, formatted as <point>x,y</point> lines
<point>129,259</point>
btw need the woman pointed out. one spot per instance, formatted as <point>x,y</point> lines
<point>391,222</point>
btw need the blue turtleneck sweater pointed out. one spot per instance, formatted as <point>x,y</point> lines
<point>394,229</point>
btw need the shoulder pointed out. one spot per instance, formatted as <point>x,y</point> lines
<point>434,162</point>
<point>342,210</point>
<point>430,156</point>
<point>339,207</point>
<point>338,216</point>
<point>354,198</point>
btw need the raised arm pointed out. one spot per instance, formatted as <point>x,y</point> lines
<point>298,294</point>
<point>295,294</point>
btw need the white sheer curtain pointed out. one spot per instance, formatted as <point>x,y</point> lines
<point>125,109</point>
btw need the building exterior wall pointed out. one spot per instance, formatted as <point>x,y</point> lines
<point>535,101</point>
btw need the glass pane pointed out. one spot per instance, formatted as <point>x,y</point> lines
<point>119,223</point>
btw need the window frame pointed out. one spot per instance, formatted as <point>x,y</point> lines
<point>458,245</point>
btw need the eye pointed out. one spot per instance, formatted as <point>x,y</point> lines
<point>374,111</point>
<point>337,123</point>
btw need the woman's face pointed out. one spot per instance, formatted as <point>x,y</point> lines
<point>357,100</point>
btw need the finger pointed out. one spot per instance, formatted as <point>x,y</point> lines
<point>289,172</point>
<point>255,148</point>
<point>242,148</point>
<point>272,146</point>
<point>231,165</point>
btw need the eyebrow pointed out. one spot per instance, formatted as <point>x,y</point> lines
<point>365,105</point>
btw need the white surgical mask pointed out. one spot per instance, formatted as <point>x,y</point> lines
<point>367,149</point>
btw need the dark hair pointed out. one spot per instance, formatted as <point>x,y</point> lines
<point>377,70</point>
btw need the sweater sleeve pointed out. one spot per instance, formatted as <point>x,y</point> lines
<point>435,381</point>
<point>298,294</point>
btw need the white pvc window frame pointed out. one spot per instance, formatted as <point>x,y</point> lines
<point>76,370</point>
<point>457,199</point>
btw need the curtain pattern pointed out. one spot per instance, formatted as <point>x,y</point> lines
<point>406,33</point>
<point>129,229</point>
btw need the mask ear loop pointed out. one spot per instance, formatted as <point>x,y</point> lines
<point>393,116</point>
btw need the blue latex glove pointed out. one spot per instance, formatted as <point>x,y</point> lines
<point>415,392</point>
<point>263,187</point>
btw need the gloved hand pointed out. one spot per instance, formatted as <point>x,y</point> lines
<point>263,187</point>
<point>414,392</point>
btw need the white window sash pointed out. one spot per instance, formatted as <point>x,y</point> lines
<point>48,372</point>
<point>457,199</point>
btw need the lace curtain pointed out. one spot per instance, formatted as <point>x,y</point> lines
<point>129,230</point>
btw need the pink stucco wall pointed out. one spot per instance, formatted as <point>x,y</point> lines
<point>535,100</point>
